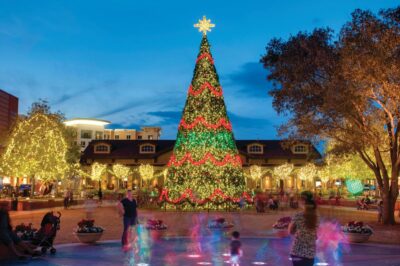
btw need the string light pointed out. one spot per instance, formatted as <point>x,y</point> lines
<point>307,172</point>
<point>283,171</point>
<point>37,148</point>
<point>203,87</point>
<point>205,166</point>
<point>221,123</point>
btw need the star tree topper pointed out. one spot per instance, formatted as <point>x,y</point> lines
<point>204,25</point>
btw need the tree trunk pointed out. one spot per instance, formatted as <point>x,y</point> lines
<point>33,184</point>
<point>389,202</point>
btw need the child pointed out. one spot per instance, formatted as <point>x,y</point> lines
<point>380,211</point>
<point>236,251</point>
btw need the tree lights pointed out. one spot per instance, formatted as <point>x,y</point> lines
<point>205,166</point>
<point>37,148</point>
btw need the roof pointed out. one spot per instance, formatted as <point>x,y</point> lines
<point>130,149</point>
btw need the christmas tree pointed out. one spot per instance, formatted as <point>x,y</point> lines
<point>205,169</point>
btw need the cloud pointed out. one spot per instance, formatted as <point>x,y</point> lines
<point>68,96</point>
<point>251,78</point>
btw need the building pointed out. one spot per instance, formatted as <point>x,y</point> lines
<point>264,153</point>
<point>88,129</point>
<point>8,115</point>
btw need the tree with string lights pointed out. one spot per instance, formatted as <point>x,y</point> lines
<point>205,169</point>
<point>38,147</point>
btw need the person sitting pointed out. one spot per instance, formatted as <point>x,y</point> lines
<point>361,204</point>
<point>11,240</point>
<point>368,201</point>
<point>273,204</point>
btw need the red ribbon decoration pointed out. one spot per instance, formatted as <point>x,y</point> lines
<point>207,56</point>
<point>206,85</point>
<point>235,160</point>
<point>188,194</point>
<point>221,123</point>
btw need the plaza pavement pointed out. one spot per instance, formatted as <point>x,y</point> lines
<point>249,223</point>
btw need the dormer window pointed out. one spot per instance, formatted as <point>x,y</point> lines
<point>102,148</point>
<point>255,148</point>
<point>147,148</point>
<point>300,149</point>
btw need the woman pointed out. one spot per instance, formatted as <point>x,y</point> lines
<point>304,228</point>
<point>11,240</point>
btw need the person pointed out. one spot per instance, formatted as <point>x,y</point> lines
<point>66,199</point>
<point>100,195</point>
<point>236,251</point>
<point>11,240</point>
<point>127,209</point>
<point>304,228</point>
<point>368,201</point>
<point>71,197</point>
<point>380,211</point>
<point>273,204</point>
<point>90,206</point>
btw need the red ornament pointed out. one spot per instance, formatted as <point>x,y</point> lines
<point>221,123</point>
<point>206,85</point>
<point>235,160</point>
<point>188,194</point>
<point>207,56</point>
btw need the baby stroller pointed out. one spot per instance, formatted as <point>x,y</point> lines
<point>45,236</point>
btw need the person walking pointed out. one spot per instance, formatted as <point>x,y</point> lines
<point>128,209</point>
<point>100,195</point>
<point>66,199</point>
<point>236,251</point>
<point>304,228</point>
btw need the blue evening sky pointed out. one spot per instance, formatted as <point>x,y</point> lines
<point>131,62</point>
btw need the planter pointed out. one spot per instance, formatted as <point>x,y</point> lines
<point>281,232</point>
<point>357,237</point>
<point>88,238</point>
<point>156,234</point>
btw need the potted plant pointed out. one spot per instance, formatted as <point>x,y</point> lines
<point>220,223</point>
<point>86,232</point>
<point>357,232</point>
<point>25,232</point>
<point>156,228</point>
<point>281,226</point>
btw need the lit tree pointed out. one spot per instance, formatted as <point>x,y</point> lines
<point>146,172</point>
<point>205,162</point>
<point>255,172</point>
<point>335,88</point>
<point>97,172</point>
<point>120,171</point>
<point>307,172</point>
<point>283,171</point>
<point>37,146</point>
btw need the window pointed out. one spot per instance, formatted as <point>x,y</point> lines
<point>128,136</point>
<point>300,149</point>
<point>101,149</point>
<point>147,148</point>
<point>116,137</point>
<point>106,136</point>
<point>139,137</point>
<point>150,137</point>
<point>83,144</point>
<point>86,134</point>
<point>99,135</point>
<point>255,148</point>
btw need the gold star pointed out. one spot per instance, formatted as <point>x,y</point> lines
<point>204,25</point>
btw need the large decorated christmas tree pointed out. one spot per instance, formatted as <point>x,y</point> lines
<point>205,169</point>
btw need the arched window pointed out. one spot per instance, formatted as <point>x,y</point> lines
<point>300,149</point>
<point>101,148</point>
<point>255,148</point>
<point>147,148</point>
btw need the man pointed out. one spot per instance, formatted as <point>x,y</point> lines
<point>127,209</point>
